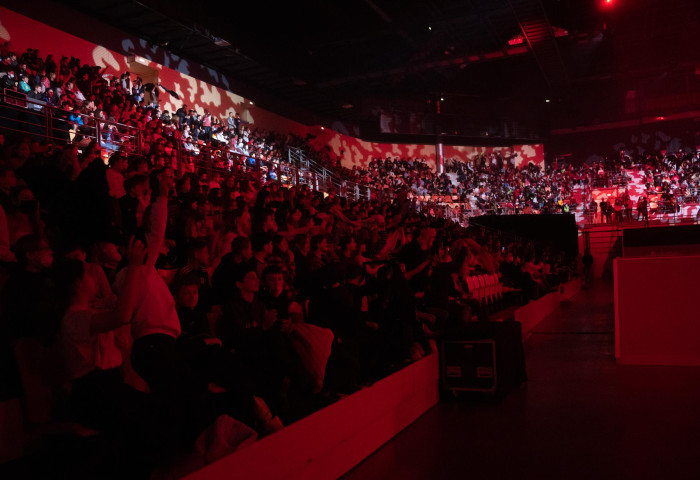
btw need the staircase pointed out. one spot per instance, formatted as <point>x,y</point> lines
<point>318,177</point>
<point>605,243</point>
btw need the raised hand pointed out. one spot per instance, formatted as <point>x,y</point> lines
<point>135,252</point>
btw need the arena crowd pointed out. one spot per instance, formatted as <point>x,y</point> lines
<point>152,304</point>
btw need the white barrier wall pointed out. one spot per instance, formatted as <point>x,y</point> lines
<point>330,442</point>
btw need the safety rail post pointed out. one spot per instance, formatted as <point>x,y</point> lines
<point>49,123</point>
<point>98,133</point>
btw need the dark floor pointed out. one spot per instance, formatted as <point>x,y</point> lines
<point>580,415</point>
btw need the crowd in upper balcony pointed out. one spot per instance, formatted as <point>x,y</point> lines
<point>674,174</point>
<point>489,183</point>
<point>493,183</point>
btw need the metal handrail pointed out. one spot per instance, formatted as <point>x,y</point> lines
<point>225,160</point>
<point>323,177</point>
<point>51,118</point>
<point>55,124</point>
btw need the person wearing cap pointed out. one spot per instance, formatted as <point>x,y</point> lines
<point>9,81</point>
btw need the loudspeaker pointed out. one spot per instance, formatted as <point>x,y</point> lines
<point>469,365</point>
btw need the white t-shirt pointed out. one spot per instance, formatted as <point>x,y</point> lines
<point>155,307</point>
<point>86,352</point>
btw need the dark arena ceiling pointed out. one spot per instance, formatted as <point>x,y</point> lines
<point>508,68</point>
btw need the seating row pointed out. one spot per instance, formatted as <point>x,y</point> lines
<point>486,288</point>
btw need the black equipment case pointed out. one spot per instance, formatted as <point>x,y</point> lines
<point>469,365</point>
<point>483,357</point>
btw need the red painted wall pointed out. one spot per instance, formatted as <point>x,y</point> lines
<point>526,153</point>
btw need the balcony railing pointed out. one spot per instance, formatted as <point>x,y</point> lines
<point>20,114</point>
